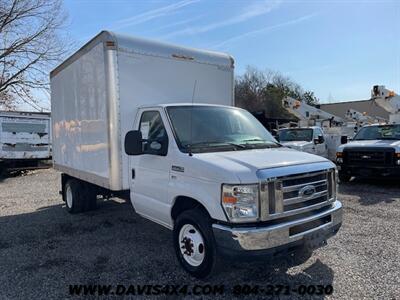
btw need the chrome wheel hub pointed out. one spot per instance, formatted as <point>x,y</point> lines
<point>68,193</point>
<point>191,244</point>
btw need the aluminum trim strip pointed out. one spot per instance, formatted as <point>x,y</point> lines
<point>89,177</point>
<point>300,210</point>
<point>296,187</point>
<point>301,199</point>
<point>271,173</point>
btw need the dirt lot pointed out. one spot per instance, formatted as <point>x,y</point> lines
<point>43,249</point>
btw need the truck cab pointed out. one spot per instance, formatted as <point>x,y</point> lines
<point>216,177</point>
<point>307,139</point>
<point>373,152</point>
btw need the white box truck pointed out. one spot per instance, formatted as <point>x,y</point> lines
<point>156,123</point>
<point>25,139</point>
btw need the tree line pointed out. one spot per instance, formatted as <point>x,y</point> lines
<point>33,41</point>
<point>258,90</point>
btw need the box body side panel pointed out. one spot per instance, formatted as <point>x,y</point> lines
<point>80,118</point>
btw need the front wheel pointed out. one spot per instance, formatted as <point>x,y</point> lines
<point>194,243</point>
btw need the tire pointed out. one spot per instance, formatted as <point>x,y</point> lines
<point>90,197</point>
<point>195,226</point>
<point>344,177</point>
<point>78,196</point>
<point>2,169</point>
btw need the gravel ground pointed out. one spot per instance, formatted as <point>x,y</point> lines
<point>43,249</point>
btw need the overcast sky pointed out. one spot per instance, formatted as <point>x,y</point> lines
<point>338,49</point>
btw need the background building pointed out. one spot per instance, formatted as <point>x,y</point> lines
<point>340,108</point>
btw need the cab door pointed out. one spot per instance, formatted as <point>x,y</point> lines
<point>320,148</point>
<point>150,170</point>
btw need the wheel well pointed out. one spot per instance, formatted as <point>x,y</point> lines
<point>183,203</point>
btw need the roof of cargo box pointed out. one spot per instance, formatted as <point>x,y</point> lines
<point>148,47</point>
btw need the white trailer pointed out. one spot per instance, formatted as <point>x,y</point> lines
<point>156,123</point>
<point>25,139</point>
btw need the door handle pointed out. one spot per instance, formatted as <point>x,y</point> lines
<point>133,173</point>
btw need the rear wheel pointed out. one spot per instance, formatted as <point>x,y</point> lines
<point>194,243</point>
<point>344,177</point>
<point>79,196</point>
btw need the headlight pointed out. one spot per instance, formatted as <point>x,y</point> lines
<point>397,155</point>
<point>339,157</point>
<point>240,202</point>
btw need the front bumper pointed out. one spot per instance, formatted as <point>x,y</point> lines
<point>369,171</point>
<point>311,231</point>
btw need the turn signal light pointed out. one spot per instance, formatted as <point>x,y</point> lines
<point>339,154</point>
<point>227,199</point>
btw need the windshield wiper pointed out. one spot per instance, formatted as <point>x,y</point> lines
<point>261,140</point>
<point>255,140</point>
<point>210,144</point>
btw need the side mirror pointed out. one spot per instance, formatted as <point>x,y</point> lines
<point>343,139</point>
<point>321,139</point>
<point>133,143</point>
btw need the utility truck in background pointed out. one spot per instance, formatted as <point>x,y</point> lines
<point>307,139</point>
<point>335,130</point>
<point>25,140</point>
<point>375,150</point>
<point>362,119</point>
<point>156,124</point>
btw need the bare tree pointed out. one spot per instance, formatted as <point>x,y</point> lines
<point>263,91</point>
<point>31,44</point>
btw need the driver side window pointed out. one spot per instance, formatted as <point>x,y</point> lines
<point>153,133</point>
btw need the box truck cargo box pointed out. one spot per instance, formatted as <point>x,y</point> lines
<point>97,91</point>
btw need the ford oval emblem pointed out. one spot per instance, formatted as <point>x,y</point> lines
<point>307,192</point>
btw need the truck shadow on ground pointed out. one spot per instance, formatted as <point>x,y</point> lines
<point>113,245</point>
<point>385,190</point>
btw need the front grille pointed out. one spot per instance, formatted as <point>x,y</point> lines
<point>371,156</point>
<point>294,194</point>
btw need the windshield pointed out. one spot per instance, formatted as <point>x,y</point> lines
<point>381,132</point>
<point>297,134</point>
<point>214,128</point>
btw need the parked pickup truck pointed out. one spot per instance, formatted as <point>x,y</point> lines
<point>155,123</point>
<point>373,152</point>
<point>308,139</point>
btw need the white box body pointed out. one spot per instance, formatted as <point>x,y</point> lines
<point>96,92</point>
